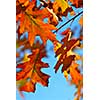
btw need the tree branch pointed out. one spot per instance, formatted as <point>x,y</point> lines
<point>68,21</point>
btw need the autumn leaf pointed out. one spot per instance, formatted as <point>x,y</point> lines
<point>34,25</point>
<point>31,71</point>
<point>65,52</point>
<point>60,4</point>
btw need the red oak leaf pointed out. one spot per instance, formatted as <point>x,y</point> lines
<point>31,70</point>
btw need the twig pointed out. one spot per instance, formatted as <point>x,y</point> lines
<point>68,21</point>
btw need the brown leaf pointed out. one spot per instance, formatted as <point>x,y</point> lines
<point>66,56</point>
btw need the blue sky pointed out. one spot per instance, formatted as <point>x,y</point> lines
<point>59,88</point>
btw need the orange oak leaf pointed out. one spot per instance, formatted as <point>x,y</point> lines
<point>31,70</point>
<point>32,22</point>
<point>65,53</point>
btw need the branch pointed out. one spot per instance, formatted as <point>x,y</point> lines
<point>68,21</point>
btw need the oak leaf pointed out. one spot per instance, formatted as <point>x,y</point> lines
<point>35,26</point>
<point>65,52</point>
<point>31,71</point>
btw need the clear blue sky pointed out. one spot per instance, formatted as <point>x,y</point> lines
<point>58,88</point>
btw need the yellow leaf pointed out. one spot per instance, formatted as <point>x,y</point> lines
<point>62,4</point>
